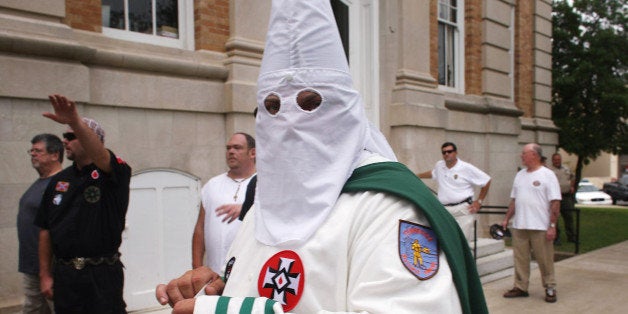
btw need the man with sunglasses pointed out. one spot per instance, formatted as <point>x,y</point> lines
<point>82,216</point>
<point>456,182</point>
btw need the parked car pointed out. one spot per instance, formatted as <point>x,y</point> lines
<point>589,194</point>
<point>617,190</point>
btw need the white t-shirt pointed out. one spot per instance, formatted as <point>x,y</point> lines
<point>533,192</point>
<point>456,184</point>
<point>352,262</point>
<point>220,190</point>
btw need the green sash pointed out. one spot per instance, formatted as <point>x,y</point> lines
<point>396,179</point>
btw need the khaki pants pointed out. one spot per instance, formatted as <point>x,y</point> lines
<point>525,242</point>
<point>463,218</point>
<point>34,301</point>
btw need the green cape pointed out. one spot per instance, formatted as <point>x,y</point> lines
<point>396,179</point>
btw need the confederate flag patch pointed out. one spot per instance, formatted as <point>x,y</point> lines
<point>62,186</point>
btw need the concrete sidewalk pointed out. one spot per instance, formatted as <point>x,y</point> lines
<point>595,282</point>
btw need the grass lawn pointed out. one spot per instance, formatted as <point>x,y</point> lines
<point>599,227</point>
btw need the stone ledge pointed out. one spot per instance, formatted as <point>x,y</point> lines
<point>481,104</point>
<point>73,50</point>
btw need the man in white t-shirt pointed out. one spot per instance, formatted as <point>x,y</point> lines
<point>456,182</point>
<point>221,202</point>
<point>535,206</point>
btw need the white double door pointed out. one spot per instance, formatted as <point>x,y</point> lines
<point>157,240</point>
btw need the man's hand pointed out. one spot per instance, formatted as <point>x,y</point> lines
<point>474,207</point>
<point>188,285</point>
<point>184,307</point>
<point>65,110</point>
<point>550,235</point>
<point>505,224</point>
<point>231,212</point>
<point>45,285</point>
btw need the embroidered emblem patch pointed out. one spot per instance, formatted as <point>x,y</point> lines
<point>536,183</point>
<point>282,278</point>
<point>95,174</point>
<point>92,194</point>
<point>62,186</point>
<point>455,177</point>
<point>418,249</point>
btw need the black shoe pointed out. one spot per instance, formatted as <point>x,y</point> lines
<point>515,293</point>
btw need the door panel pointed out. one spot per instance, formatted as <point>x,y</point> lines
<point>157,241</point>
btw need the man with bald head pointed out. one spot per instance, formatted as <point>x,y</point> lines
<point>534,208</point>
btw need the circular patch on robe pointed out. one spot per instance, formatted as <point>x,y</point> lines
<point>282,278</point>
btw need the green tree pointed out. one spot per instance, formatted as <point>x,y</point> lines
<point>589,100</point>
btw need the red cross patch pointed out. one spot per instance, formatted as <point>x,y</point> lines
<point>282,278</point>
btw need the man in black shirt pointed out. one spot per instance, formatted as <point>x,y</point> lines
<point>82,217</point>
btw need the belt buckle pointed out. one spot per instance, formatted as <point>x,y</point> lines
<point>79,263</point>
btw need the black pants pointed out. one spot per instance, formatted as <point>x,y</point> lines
<point>567,211</point>
<point>93,289</point>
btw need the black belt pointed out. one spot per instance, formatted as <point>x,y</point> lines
<point>80,262</point>
<point>466,200</point>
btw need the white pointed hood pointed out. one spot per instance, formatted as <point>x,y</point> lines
<point>305,157</point>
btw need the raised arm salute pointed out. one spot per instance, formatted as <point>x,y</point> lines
<point>82,216</point>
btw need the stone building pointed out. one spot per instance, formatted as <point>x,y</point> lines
<point>170,80</point>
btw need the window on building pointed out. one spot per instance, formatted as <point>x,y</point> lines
<point>160,22</point>
<point>450,44</point>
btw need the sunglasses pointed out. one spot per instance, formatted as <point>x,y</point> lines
<point>448,151</point>
<point>69,136</point>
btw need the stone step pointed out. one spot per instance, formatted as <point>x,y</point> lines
<point>495,262</point>
<point>497,275</point>
<point>488,247</point>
